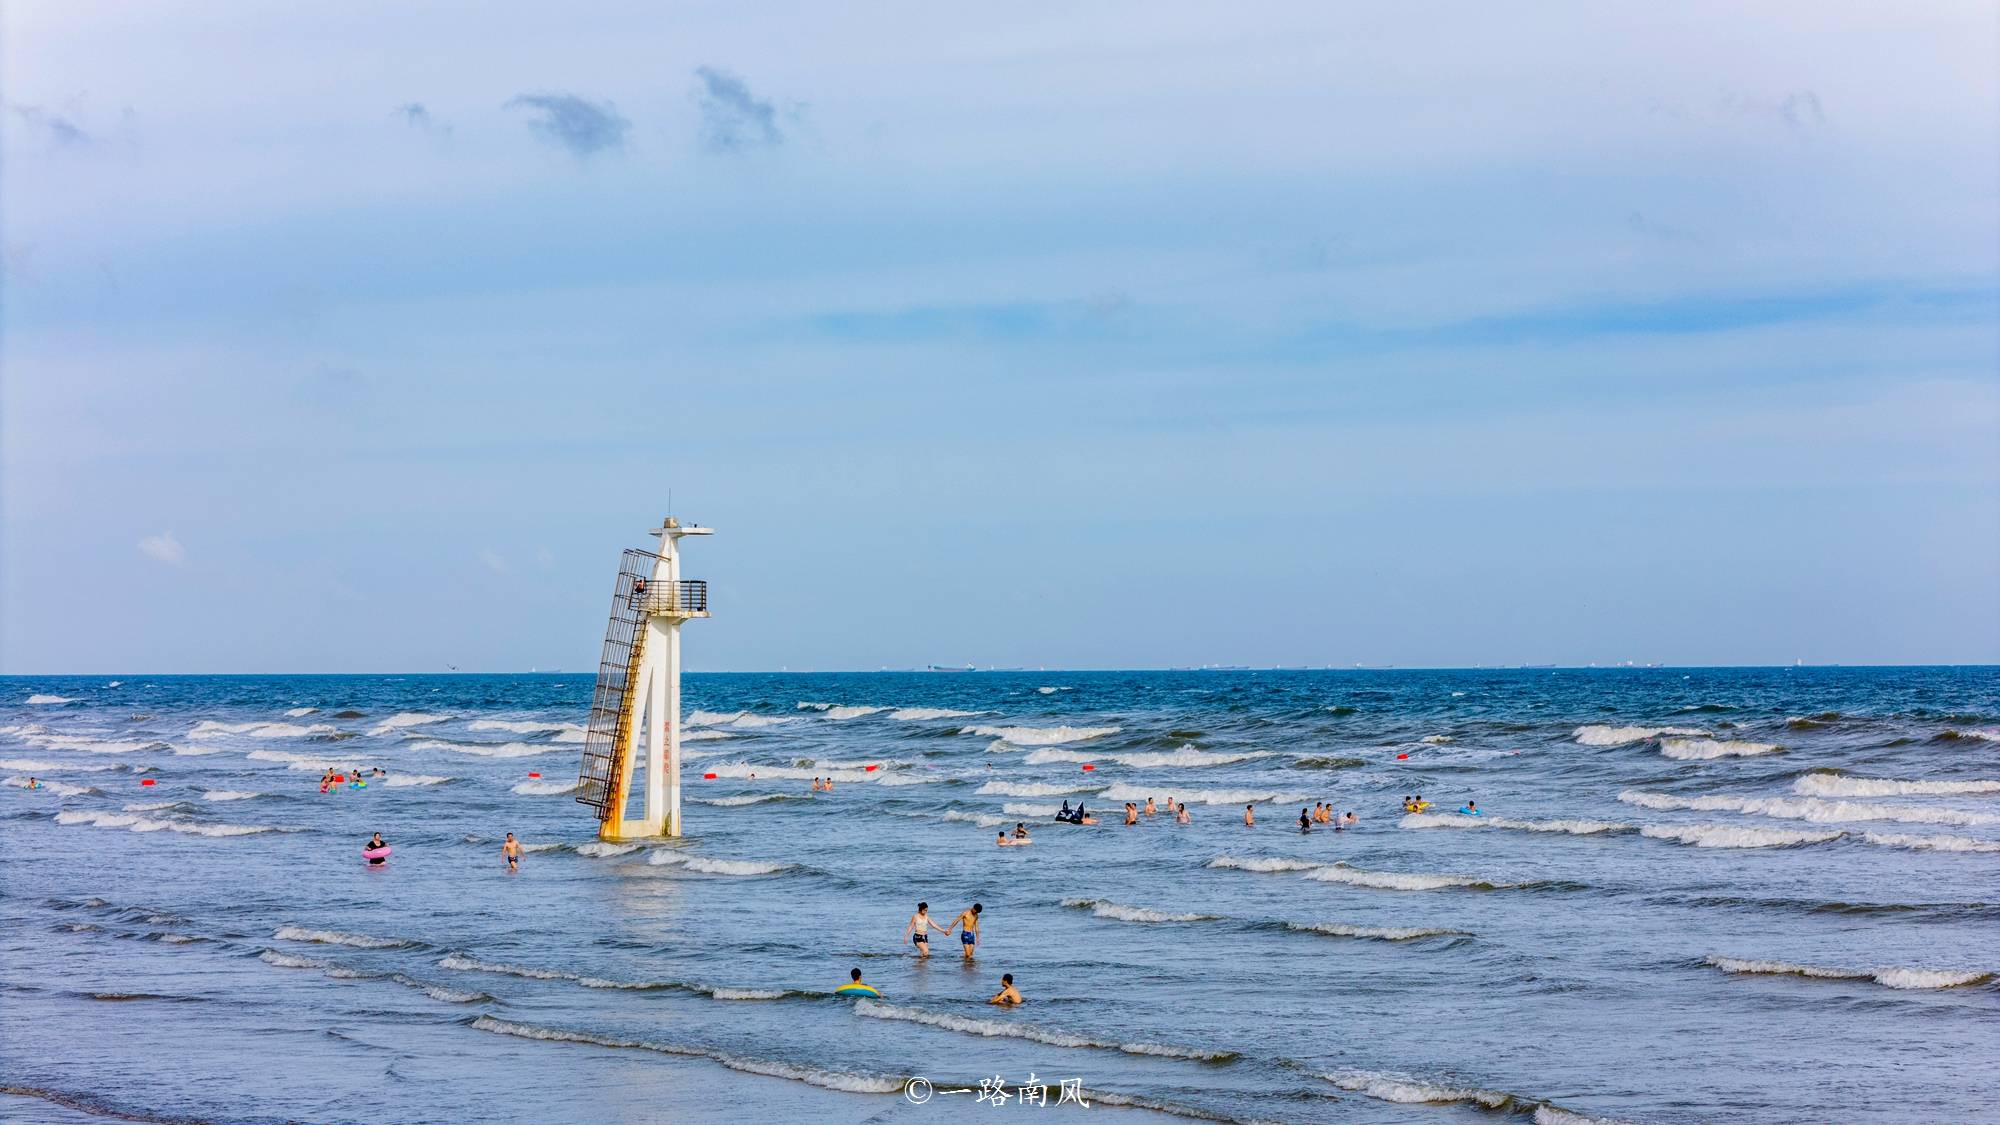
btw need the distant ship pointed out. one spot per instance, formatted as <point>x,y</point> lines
<point>942,668</point>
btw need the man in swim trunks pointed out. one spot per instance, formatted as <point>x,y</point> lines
<point>512,850</point>
<point>968,933</point>
<point>1008,996</point>
<point>1150,809</point>
<point>918,932</point>
<point>1249,816</point>
<point>1131,813</point>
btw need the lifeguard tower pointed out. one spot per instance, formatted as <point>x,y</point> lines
<point>639,678</point>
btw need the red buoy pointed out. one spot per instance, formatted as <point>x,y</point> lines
<point>1087,766</point>
<point>708,777</point>
<point>531,773</point>
<point>871,769</point>
<point>145,781</point>
<point>1402,757</point>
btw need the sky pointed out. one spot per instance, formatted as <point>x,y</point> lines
<point>363,337</point>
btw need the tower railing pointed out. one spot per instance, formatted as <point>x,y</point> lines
<point>598,780</point>
<point>686,598</point>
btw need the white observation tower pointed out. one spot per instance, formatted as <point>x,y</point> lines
<point>639,677</point>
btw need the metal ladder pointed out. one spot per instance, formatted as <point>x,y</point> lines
<point>613,710</point>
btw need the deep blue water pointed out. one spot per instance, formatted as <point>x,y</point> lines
<point>1758,895</point>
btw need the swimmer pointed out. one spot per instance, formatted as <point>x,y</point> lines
<point>1006,842</point>
<point>1150,810</point>
<point>918,931</point>
<point>1008,996</point>
<point>1082,816</point>
<point>855,986</point>
<point>1131,813</point>
<point>1471,809</point>
<point>1249,816</point>
<point>1181,815</point>
<point>34,784</point>
<point>512,851</point>
<point>1352,820</point>
<point>968,929</point>
<point>373,843</point>
<point>828,787</point>
<point>1305,821</point>
<point>1020,831</point>
<point>1419,804</point>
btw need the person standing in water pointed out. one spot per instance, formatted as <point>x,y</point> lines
<point>918,931</point>
<point>1008,996</point>
<point>1181,814</point>
<point>1305,821</point>
<point>1131,813</point>
<point>512,851</point>
<point>375,842</point>
<point>968,929</point>
<point>1249,816</point>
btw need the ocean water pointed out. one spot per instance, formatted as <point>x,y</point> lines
<point>1752,895</point>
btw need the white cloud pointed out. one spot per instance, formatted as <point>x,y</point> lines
<point>494,561</point>
<point>164,548</point>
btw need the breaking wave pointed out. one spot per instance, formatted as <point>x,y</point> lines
<point>601,849</point>
<point>404,780</point>
<point>1338,929</point>
<point>1118,912</point>
<point>1808,808</point>
<point>1263,864</point>
<point>880,1010</point>
<point>1890,978</point>
<point>336,937</point>
<point>1704,749</point>
<point>136,823</point>
<point>742,719</point>
<point>1041,736</point>
<point>1203,796</point>
<point>929,714</point>
<point>827,1079</point>
<point>1930,843</point>
<point>715,866</point>
<point>47,767</point>
<point>1841,785</point>
<point>48,700</point>
<point>209,728</point>
<point>1398,880</point>
<point>1571,827</point>
<point>229,795</point>
<point>838,711</point>
<point>488,749</point>
<point>403,719</point>
<point>544,788</point>
<point>1033,789</point>
<point>1727,836</point>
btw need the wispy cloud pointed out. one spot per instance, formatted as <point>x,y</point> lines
<point>57,129</point>
<point>585,128</point>
<point>493,560</point>
<point>418,116</point>
<point>1800,110</point>
<point>163,548</point>
<point>732,118</point>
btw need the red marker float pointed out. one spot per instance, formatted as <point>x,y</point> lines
<point>1088,767</point>
<point>871,769</point>
<point>708,777</point>
<point>1402,757</point>
<point>534,775</point>
<point>145,781</point>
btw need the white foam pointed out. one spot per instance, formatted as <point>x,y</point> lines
<point>1053,690</point>
<point>742,719</point>
<point>1123,793</point>
<point>544,788</point>
<point>1393,880</point>
<point>306,761</point>
<point>737,802</point>
<point>488,749</point>
<point>1727,836</point>
<point>1402,933</point>
<point>1034,789</point>
<point>1453,820</point>
<point>929,714</point>
<point>1808,808</point>
<point>405,780</point>
<point>837,711</point>
<point>1930,843</point>
<point>48,700</point>
<point>404,719</point>
<point>527,726</point>
<point>1981,735</point>
<point>1122,913</point>
<point>47,767</point>
<point>1263,864</point>
<point>151,806</point>
<point>744,770</point>
<point>87,745</point>
<point>1186,757</point>
<point>210,728</point>
<point>1436,739</point>
<point>136,823</point>
<point>1596,735</point>
<point>667,858</point>
<point>1706,749</point>
<point>1404,1090</point>
<point>1012,809</point>
<point>59,788</point>
<point>1890,977</point>
<point>600,849</point>
<point>703,735</point>
<point>1840,785</point>
<point>983,820</point>
<point>229,795</point>
<point>1042,736</point>
<point>831,1080</point>
<point>994,1028</point>
<point>300,712</point>
<point>336,937</point>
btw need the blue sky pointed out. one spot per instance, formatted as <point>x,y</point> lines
<point>1111,335</point>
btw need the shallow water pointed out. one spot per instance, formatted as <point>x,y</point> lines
<point>1696,894</point>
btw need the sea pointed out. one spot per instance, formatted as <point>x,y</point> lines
<point>1762,894</point>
